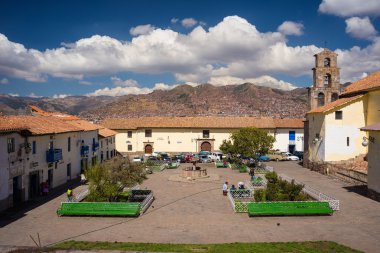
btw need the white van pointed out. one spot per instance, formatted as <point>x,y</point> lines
<point>215,156</point>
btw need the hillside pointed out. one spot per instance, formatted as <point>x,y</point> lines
<point>184,100</point>
<point>206,99</point>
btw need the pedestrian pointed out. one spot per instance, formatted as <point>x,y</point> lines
<point>45,188</point>
<point>69,195</point>
<point>225,188</point>
<point>82,178</point>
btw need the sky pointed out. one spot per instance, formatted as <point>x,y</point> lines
<point>94,48</point>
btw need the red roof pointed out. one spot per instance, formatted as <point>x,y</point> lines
<point>335,104</point>
<point>370,82</point>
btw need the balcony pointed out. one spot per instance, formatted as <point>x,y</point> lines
<point>53,155</point>
<point>84,150</point>
<point>95,146</point>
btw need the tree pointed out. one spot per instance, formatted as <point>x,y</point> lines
<point>108,180</point>
<point>248,142</point>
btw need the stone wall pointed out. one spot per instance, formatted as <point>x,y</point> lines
<point>352,170</point>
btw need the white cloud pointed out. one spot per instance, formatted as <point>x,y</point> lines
<point>291,28</point>
<point>238,50</point>
<point>85,82</point>
<point>4,81</point>
<point>141,30</point>
<point>266,81</point>
<point>349,8</point>
<point>32,95</point>
<point>124,83</point>
<point>189,22</point>
<point>60,95</point>
<point>174,20</point>
<point>13,94</point>
<point>360,28</point>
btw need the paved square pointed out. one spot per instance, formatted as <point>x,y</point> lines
<point>198,213</point>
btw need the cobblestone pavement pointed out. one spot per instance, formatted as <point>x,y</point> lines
<point>198,213</point>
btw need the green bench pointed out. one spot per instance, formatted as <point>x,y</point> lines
<point>172,166</point>
<point>220,165</point>
<point>289,208</point>
<point>99,209</point>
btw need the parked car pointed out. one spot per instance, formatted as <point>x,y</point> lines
<point>290,157</point>
<point>138,159</point>
<point>189,158</point>
<point>204,159</point>
<point>178,158</point>
<point>276,157</point>
<point>299,154</point>
<point>214,157</point>
<point>152,158</point>
<point>264,158</point>
<point>164,157</point>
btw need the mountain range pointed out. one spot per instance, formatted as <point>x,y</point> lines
<point>184,100</point>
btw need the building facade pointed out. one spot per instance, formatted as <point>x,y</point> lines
<point>195,134</point>
<point>45,149</point>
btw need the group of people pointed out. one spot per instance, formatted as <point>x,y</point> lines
<point>233,188</point>
<point>240,184</point>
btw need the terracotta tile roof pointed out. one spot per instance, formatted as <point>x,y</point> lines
<point>39,112</point>
<point>374,127</point>
<point>83,124</point>
<point>37,125</point>
<point>196,122</point>
<point>335,104</point>
<point>288,123</point>
<point>105,132</point>
<point>370,82</point>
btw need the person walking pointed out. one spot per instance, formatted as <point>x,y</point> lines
<point>225,188</point>
<point>69,195</point>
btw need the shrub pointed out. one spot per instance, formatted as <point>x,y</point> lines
<point>259,195</point>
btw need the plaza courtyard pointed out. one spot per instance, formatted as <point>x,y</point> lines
<point>197,212</point>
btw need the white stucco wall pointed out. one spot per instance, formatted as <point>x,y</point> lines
<point>316,126</point>
<point>373,107</point>
<point>337,131</point>
<point>107,144</point>
<point>6,165</point>
<point>187,139</point>
<point>282,140</point>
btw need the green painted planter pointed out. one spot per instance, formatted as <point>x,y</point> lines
<point>99,209</point>
<point>289,208</point>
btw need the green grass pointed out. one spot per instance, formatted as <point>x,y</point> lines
<point>309,247</point>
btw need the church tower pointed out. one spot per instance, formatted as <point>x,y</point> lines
<point>326,80</point>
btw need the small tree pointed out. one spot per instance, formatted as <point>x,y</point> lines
<point>248,142</point>
<point>108,180</point>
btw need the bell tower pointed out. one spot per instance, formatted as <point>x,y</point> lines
<point>326,80</point>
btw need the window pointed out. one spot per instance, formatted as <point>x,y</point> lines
<point>326,62</point>
<point>206,133</point>
<point>129,134</point>
<point>101,144</point>
<point>11,145</point>
<point>33,147</point>
<point>348,141</point>
<point>334,97</point>
<point>338,115</point>
<point>51,145</point>
<point>321,99</point>
<point>327,80</point>
<point>129,147</point>
<point>111,140</point>
<point>148,132</point>
<point>69,144</point>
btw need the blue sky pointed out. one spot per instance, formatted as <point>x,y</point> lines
<point>58,48</point>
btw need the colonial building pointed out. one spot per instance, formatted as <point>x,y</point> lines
<point>107,144</point>
<point>37,149</point>
<point>334,130</point>
<point>326,80</point>
<point>194,134</point>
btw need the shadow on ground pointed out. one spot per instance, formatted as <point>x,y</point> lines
<point>14,213</point>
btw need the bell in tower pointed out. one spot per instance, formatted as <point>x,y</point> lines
<point>326,80</point>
